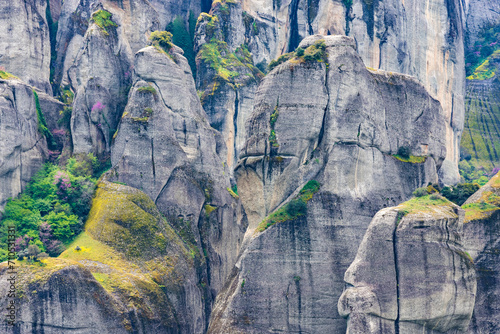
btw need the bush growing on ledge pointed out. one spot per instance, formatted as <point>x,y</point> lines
<point>460,193</point>
<point>420,192</point>
<point>404,152</point>
<point>161,40</point>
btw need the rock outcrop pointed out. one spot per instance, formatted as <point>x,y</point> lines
<point>22,146</point>
<point>128,272</point>
<point>321,116</point>
<point>226,74</point>
<point>411,273</point>
<point>25,43</point>
<point>480,14</point>
<point>423,39</point>
<point>481,240</point>
<point>166,147</point>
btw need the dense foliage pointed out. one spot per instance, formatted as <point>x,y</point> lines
<point>480,57</point>
<point>52,210</point>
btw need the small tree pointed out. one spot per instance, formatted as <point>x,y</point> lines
<point>33,252</point>
<point>404,152</point>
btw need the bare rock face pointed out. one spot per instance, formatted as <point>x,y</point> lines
<point>482,242</point>
<point>411,273</point>
<point>166,147</point>
<point>22,147</point>
<point>330,120</point>
<point>25,43</point>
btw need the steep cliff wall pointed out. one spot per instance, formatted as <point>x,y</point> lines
<point>411,273</point>
<point>23,147</point>
<point>25,43</point>
<point>321,116</point>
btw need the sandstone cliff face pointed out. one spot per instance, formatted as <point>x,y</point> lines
<point>481,241</point>
<point>165,147</point>
<point>25,43</point>
<point>411,273</point>
<point>337,123</point>
<point>22,147</point>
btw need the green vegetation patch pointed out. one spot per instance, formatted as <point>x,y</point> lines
<point>487,44</point>
<point>428,204</point>
<point>7,76</point>
<point>412,159</point>
<point>42,124</point>
<point>184,39</point>
<point>228,65</point>
<point>314,53</point>
<point>162,40</point>
<point>51,211</point>
<point>487,69</point>
<point>295,208</point>
<point>147,89</point>
<point>459,193</point>
<point>477,211</point>
<point>103,19</point>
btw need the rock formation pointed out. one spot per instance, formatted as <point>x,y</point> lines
<point>165,147</point>
<point>331,120</point>
<point>23,147</point>
<point>481,241</point>
<point>25,43</point>
<point>411,273</point>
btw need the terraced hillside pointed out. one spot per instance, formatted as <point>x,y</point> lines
<point>481,137</point>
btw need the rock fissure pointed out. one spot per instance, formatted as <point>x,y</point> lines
<point>396,268</point>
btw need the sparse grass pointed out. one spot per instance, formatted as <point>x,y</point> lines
<point>162,40</point>
<point>295,208</point>
<point>232,193</point>
<point>429,204</point>
<point>477,211</point>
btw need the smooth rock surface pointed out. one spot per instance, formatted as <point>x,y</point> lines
<point>22,148</point>
<point>25,43</point>
<point>411,274</point>
<point>338,124</point>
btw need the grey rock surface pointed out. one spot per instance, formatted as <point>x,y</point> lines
<point>226,98</point>
<point>339,124</point>
<point>22,148</point>
<point>411,273</point>
<point>481,240</point>
<point>99,77</point>
<point>25,43</point>
<point>166,147</point>
<point>480,14</point>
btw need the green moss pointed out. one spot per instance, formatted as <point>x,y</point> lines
<point>429,204</point>
<point>209,209</point>
<point>42,124</point>
<point>147,89</point>
<point>412,159</point>
<point>103,20</point>
<point>7,76</point>
<point>281,59</point>
<point>295,208</point>
<point>232,193</point>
